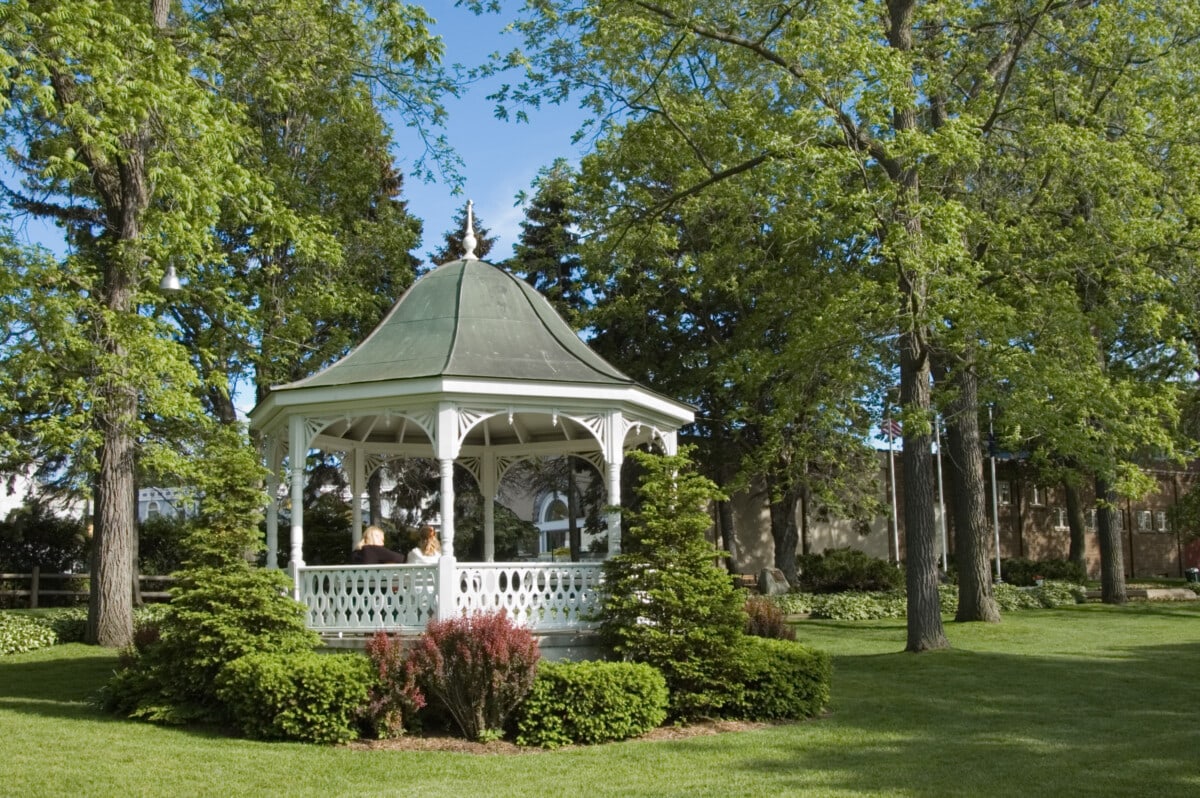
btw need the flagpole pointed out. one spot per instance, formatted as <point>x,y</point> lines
<point>892,472</point>
<point>995,494</point>
<point>937,426</point>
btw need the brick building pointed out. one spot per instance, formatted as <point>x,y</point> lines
<point>1032,521</point>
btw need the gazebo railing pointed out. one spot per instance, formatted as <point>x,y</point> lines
<point>367,598</point>
<point>359,599</point>
<point>540,596</point>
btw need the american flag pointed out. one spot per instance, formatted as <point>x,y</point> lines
<point>891,428</point>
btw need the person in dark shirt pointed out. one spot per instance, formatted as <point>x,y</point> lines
<point>372,551</point>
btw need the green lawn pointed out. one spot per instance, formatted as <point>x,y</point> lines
<point>1087,700</point>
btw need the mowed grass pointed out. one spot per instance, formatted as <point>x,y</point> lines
<point>1087,700</point>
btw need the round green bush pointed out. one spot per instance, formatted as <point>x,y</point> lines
<point>842,570</point>
<point>591,702</point>
<point>306,696</point>
<point>783,680</point>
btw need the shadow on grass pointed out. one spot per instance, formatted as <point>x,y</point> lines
<point>1119,720</point>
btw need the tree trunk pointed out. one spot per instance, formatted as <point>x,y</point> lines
<point>728,534</point>
<point>785,533</point>
<point>1077,524</point>
<point>375,497</point>
<point>969,504</point>
<point>1112,556</point>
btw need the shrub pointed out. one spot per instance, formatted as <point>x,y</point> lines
<point>591,702</point>
<point>394,698</point>
<point>217,615</point>
<point>1010,597</point>
<point>794,603</point>
<point>1022,572</point>
<point>306,696</point>
<point>782,679</point>
<point>478,669</point>
<point>860,606</point>
<point>841,570</point>
<point>667,602</point>
<point>764,618</point>
<point>1058,594</point>
<point>20,633</point>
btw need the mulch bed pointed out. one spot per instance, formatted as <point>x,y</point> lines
<point>447,742</point>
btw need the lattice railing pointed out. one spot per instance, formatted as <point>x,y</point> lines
<point>535,595</point>
<point>361,599</point>
<point>367,598</point>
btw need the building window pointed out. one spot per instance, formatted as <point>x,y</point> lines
<point>1060,518</point>
<point>1091,518</point>
<point>1036,496</point>
<point>555,510</point>
<point>152,510</point>
<point>1160,521</point>
<point>1143,520</point>
<point>1005,492</point>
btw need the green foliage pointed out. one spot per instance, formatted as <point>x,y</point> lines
<point>838,570</point>
<point>1010,598</point>
<point>161,548</point>
<point>478,668</point>
<point>794,603</point>
<point>215,617</point>
<point>34,536</point>
<point>302,695</point>
<point>394,698</point>
<point>23,633</point>
<point>782,680</point>
<point>1025,573</point>
<point>667,603</point>
<point>584,703</point>
<point>764,618</point>
<point>859,606</point>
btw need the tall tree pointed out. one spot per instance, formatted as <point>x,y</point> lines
<point>140,158</point>
<point>547,251</point>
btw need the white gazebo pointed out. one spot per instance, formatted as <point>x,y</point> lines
<point>471,366</point>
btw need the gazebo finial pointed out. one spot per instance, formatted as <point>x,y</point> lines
<point>469,239</point>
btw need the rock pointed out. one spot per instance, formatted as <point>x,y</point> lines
<point>771,582</point>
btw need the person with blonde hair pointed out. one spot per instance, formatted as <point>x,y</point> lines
<point>371,551</point>
<point>428,549</point>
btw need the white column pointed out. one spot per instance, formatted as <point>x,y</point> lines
<point>273,514</point>
<point>488,480</point>
<point>446,468</point>
<point>670,442</point>
<point>357,481</point>
<point>297,453</point>
<point>614,456</point>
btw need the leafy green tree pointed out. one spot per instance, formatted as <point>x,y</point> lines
<point>667,603</point>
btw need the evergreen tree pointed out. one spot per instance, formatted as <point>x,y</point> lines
<point>452,241</point>
<point>667,602</point>
<point>546,255</point>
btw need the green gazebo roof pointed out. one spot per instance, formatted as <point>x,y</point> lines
<point>470,319</point>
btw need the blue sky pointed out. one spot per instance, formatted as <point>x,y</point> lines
<point>501,158</point>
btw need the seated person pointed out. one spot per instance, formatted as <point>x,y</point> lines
<point>428,549</point>
<point>371,550</point>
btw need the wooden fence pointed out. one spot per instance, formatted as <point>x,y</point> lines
<point>72,585</point>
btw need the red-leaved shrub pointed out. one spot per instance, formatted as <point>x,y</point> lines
<point>478,667</point>
<point>765,619</point>
<point>394,699</point>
